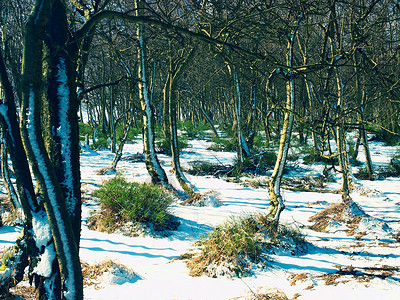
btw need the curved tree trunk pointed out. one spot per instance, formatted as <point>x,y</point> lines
<point>25,247</point>
<point>274,189</point>
<point>175,71</point>
<point>157,173</point>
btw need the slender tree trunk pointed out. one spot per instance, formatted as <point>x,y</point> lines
<point>112,122</point>
<point>274,188</point>
<point>12,194</point>
<point>175,71</point>
<point>157,173</point>
<point>367,152</point>
<point>203,112</point>
<point>242,148</point>
<point>356,145</point>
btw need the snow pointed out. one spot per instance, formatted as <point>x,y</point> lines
<point>160,274</point>
<point>64,132</point>
<point>43,268</point>
<point>48,185</point>
<point>41,229</point>
<point>3,113</point>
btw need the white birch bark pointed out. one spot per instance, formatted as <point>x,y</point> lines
<point>274,189</point>
<point>153,165</point>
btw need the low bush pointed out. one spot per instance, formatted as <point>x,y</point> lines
<point>233,247</point>
<point>83,130</point>
<point>101,143</point>
<point>164,146</point>
<point>122,201</point>
<point>392,169</point>
<point>194,131</point>
<point>202,168</point>
<point>362,174</point>
<point>265,160</point>
<point>222,144</point>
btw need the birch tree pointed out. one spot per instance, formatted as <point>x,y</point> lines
<point>274,187</point>
<point>157,173</point>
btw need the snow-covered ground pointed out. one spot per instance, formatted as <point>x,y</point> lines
<point>337,267</point>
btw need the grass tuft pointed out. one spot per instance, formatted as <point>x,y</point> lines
<point>232,248</point>
<point>5,257</point>
<point>122,202</point>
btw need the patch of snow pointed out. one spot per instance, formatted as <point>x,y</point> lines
<point>44,266</point>
<point>41,229</point>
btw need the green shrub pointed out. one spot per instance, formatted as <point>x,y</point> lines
<point>227,243</point>
<point>222,144</point>
<point>202,168</point>
<point>241,242</point>
<point>164,146</point>
<point>101,143</point>
<point>265,160</point>
<point>392,169</point>
<point>122,201</point>
<point>83,130</point>
<point>259,142</point>
<point>362,174</point>
<point>192,131</point>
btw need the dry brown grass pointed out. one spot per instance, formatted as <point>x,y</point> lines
<point>360,274</point>
<point>210,198</point>
<point>345,212</point>
<point>302,277</point>
<point>265,293</point>
<point>92,273</point>
<point>21,291</point>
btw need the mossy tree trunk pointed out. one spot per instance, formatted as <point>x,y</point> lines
<point>274,187</point>
<point>241,144</point>
<point>54,157</point>
<point>157,173</point>
<point>5,171</point>
<point>176,69</point>
<point>361,99</point>
<point>50,143</point>
<point>25,249</point>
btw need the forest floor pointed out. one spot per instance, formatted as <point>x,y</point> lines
<point>351,260</point>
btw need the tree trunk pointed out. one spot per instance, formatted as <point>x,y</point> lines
<point>59,197</point>
<point>12,194</point>
<point>203,112</point>
<point>274,187</point>
<point>175,71</point>
<point>242,148</point>
<point>157,173</point>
